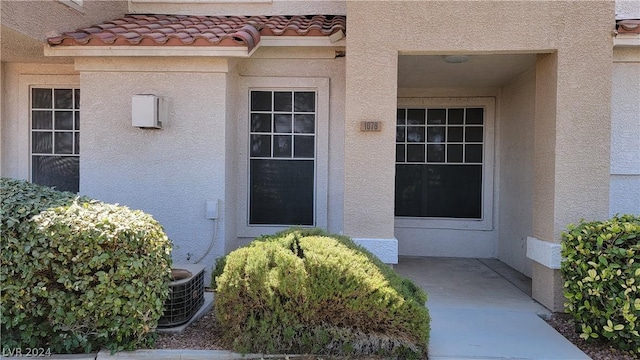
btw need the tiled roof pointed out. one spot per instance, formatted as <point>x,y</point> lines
<point>184,30</point>
<point>628,26</point>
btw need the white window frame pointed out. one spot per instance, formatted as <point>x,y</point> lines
<point>25,83</point>
<point>486,221</point>
<point>53,132</point>
<point>321,87</point>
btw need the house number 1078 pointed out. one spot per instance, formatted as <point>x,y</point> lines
<point>370,126</point>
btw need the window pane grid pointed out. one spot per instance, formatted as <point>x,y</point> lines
<point>291,130</point>
<point>282,151</point>
<point>55,137</point>
<point>452,136</point>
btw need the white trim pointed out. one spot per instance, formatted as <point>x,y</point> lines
<point>76,5</point>
<point>385,249</point>
<point>203,1</point>
<point>626,41</point>
<point>321,86</point>
<point>134,50</point>
<point>543,252</point>
<point>294,41</point>
<point>486,223</point>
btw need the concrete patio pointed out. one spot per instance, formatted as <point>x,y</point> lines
<point>482,309</point>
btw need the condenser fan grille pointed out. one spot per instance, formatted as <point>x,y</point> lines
<point>185,298</point>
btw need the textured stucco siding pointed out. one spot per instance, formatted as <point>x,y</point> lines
<point>625,133</point>
<point>260,7</point>
<point>515,179</point>
<point>169,173</point>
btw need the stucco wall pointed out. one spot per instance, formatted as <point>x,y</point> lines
<point>259,7</point>
<point>625,132</point>
<point>515,179</point>
<point>169,173</point>
<point>490,26</point>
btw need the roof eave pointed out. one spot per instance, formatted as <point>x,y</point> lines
<point>145,51</point>
<point>626,40</point>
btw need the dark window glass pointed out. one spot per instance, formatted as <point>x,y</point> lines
<point>435,153</point>
<point>415,153</point>
<point>42,142</point>
<point>416,116</point>
<point>261,101</point>
<point>41,119</point>
<point>473,153</point>
<point>282,146</point>
<point>402,113</point>
<point>77,120</point>
<point>435,134</point>
<point>64,120</point>
<point>260,122</point>
<point>282,123</point>
<point>456,116</point>
<point>475,116</point>
<point>282,101</point>
<point>400,153</point>
<point>438,191</point>
<point>281,192</point>
<point>76,144</point>
<point>60,172</point>
<point>400,130</point>
<point>304,101</point>
<point>439,171</point>
<point>63,98</point>
<point>436,116</point>
<point>415,133</point>
<point>303,146</point>
<point>454,153</point>
<point>261,145</point>
<point>41,99</point>
<point>473,134</point>
<point>454,133</point>
<point>304,123</point>
<point>76,98</point>
<point>63,143</point>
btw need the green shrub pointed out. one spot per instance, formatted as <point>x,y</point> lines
<point>78,274</point>
<point>601,269</point>
<point>303,291</point>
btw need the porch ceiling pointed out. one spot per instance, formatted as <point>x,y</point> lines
<point>480,71</point>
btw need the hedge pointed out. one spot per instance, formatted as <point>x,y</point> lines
<point>601,269</point>
<point>304,291</point>
<point>78,274</point>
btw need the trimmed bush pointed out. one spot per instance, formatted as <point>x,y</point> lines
<point>78,274</point>
<point>303,291</point>
<point>601,269</point>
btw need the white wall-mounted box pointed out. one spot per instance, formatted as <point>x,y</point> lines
<point>148,111</point>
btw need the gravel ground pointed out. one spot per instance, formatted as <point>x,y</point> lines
<point>204,335</point>
<point>596,350</point>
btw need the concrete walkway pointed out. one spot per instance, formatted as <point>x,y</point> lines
<point>480,309</point>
